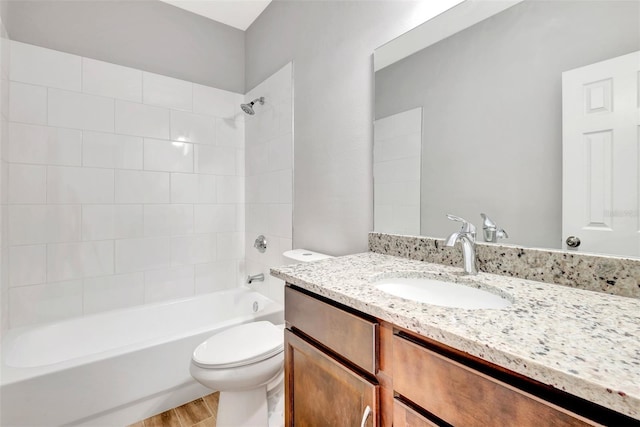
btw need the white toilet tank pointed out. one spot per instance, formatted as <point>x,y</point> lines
<point>296,256</point>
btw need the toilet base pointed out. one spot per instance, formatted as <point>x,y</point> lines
<point>243,408</point>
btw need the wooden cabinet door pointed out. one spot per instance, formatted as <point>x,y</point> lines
<point>320,391</point>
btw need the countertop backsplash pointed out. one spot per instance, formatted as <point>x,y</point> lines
<point>601,273</point>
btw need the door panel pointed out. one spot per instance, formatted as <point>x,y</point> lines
<point>322,392</point>
<point>601,122</point>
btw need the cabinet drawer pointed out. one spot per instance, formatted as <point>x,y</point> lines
<point>350,336</point>
<point>462,396</point>
<point>407,417</point>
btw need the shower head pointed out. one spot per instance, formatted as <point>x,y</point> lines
<point>248,108</point>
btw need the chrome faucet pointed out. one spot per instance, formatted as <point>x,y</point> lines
<point>467,236</point>
<point>491,231</point>
<point>255,278</point>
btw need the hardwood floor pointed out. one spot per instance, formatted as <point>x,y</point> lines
<point>199,413</point>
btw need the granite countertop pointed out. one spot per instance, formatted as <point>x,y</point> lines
<point>583,342</point>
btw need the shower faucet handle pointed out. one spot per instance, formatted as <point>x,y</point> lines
<point>260,244</point>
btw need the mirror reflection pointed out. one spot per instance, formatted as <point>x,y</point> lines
<point>500,101</point>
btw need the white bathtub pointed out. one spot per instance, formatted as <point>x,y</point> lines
<point>117,367</point>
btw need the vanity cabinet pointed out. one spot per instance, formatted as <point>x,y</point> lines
<point>339,361</point>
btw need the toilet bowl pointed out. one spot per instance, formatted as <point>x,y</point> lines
<point>240,362</point>
<point>243,363</point>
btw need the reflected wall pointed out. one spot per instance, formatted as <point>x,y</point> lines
<point>491,98</point>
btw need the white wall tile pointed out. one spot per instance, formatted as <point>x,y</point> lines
<point>240,216</point>
<point>114,81</point>
<point>142,120</point>
<point>28,265</point>
<point>101,222</point>
<point>67,261</point>
<point>256,158</point>
<point>383,218</point>
<point>397,170</point>
<point>27,103</point>
<point>257,218</point>
<point>44,145</point>
<point>240,163</point>
<point>142,187</point>
<point>107,150</point>
<point>207,188</point>
<point>168,220</point>
<point>79,185</point>
<point>230,189</point>
<point>5,53</point>
<point>215,160</point>
<point>167,92</point>
<point>230,246</point>
<point>285,186</point>
<point>113,292</point>
<point>27,183</point>
<point>267,188</point>
<point>93,153</point>
<point>4,94</point>
<point>215,276</point>
<point>402,146</point>
<point>184,188</point>
<point>280,220</point>
<point>80,111</point>
<point>193,188</point>
<point>169,156</point>
<point>142,254</point>
<point>406,122</point>
<point>230,132</point>
<point>189,127</point>
<point>280,152</point>
<point>45,303</point>
<point>215,218</point>
<point>169,283</point>
<point>216,102</point>
<point>195,249</point>
<point>35,224</point>
<point>44,67</point>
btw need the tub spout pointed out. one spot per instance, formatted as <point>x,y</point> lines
<point>255,278</point>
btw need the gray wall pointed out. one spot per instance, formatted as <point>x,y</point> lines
<point>331,45</point>
<point>148,35</point>
<point>492,129</point>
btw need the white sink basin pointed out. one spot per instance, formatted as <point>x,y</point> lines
<point>437,292</point>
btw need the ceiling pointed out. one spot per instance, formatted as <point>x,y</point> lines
<point>236,13</point>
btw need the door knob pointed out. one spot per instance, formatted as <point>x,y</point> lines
<point>573,241</point>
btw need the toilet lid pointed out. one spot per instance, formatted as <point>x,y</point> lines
<point>240,345</point>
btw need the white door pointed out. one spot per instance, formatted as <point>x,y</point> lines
<point>600,134</point>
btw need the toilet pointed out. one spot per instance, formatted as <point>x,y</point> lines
<point>243,362</point>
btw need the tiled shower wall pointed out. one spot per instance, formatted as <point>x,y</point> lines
<point>4,169</point>
<point>269,176</point>
<point>124,187</point>
<point>396,173</point>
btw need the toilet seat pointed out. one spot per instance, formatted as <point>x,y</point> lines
<point>240,346</point>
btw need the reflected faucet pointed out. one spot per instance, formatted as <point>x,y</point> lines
<point>466,236</point>
<point>491,231</point>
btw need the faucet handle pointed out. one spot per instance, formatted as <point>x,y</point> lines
<point>491,231</point>
<point>467,227</point>
<point>487,222</point>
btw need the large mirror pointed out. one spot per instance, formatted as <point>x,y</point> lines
<point>477,122</point>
